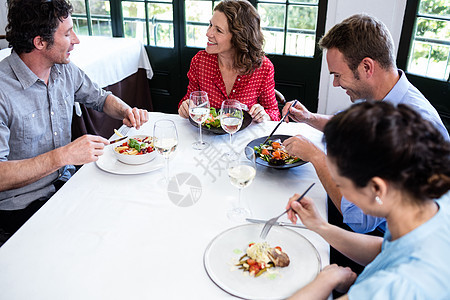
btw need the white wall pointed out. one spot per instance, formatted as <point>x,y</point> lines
<point>390,12</point>
<point>3,43</point>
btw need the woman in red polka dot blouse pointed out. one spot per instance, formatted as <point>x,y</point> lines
<point>233,65</point>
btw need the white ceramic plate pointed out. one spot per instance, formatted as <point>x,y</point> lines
<point>219,255</point>
<point>109,163</point>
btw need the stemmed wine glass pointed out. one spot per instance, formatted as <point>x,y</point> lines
<point>231,117</point>
<point>241,170</point>
<point>199,112</point>
<point>165,140</point>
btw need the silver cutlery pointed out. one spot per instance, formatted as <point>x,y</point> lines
<point>282,224</point>
<point>272,221</point>
<point>279,123</point>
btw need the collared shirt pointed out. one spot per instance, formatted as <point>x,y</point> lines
<point>257,87</point>
<point>35,118</point>
<point>414,266</point>
<point>403,92</point>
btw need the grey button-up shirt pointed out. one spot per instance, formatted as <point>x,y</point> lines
<point>36,118</point>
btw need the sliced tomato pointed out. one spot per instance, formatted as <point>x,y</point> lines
<point>251,244</point>
<point>265,152</point>
<point>276,145</point>
<point>254,268</point>
<point>251,262</point>
<point>276,154</point>
<point>278,247</point>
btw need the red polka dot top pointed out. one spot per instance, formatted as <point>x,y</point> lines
<point>256,87</point>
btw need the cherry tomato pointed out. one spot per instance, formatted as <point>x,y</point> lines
<point>251,262</point>
<point>278,247</point>
<point>254,268</point>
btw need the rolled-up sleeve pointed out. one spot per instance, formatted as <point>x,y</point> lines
<point>358,221</point>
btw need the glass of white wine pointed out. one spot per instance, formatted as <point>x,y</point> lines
<point>231,117</point>
<point>241,171</point>
<point>199,112</point>
<point>165,140</point>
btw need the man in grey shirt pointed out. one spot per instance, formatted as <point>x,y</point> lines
<point>38,88</point>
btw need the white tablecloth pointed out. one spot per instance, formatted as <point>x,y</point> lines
<point>107,60</point>
<point>108,236</point>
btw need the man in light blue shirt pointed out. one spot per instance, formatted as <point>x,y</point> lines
<point>361,58</point>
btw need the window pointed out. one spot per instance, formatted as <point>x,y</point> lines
<point>429,53</point>
<point>289,26</point>
<point>197,16</point>
<point>149,21</point>
<point>92,17</point>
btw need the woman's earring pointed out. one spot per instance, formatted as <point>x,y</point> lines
<point>378,199</point>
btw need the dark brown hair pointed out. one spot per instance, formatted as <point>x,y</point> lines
<point>28,19</point>
<point>247,38</point>
<point>376,139</point>
<point>361,36</point>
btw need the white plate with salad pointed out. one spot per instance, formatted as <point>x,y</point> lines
<point>225,250</point>
<point>108,162</point>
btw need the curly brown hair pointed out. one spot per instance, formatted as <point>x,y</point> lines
<point>247,38</point>
<point>28,19</point>
<point>361,36</point>
<point>376,139</point>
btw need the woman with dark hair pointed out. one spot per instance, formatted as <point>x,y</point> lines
<point>233,65</point>
<point>392,164</point>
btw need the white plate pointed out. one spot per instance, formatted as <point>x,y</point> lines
<point>219,255</point>
<point>109,163</point>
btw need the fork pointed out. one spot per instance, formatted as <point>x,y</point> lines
<point>272,221</point>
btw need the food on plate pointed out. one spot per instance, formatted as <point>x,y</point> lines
<point>136,146</point>
<point>274,153</point>
<point>213,119</point>
<point>260,257</point>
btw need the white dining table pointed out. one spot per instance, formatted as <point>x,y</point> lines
<point>106,235</point>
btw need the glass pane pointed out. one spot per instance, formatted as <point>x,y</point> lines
<point>435,7</point>
<point>430,60</point>
<point>100,8</point>
<point>300,44</point>
<point>272,15</point>
<point>434,29</point>
<point>198,14</point>
<point>134,20</point>
<point>161,24</point>
<point>274,41</point>
<point>302,17</point>
<point>79,7</point>
<point>101,27</point>
<point>80,25</point>
<point>305,1</point>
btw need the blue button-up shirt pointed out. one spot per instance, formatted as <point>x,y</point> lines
<point>35,118</point>
<point>403,92</point>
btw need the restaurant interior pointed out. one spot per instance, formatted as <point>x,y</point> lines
<point>174,226</point>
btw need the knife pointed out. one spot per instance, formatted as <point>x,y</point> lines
<point>279,123</point>
<point>283,224</point>
<point>118,140</point>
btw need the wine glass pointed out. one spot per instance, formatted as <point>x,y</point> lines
<point>231,118</point>
<point>165,140</point>
<point>241,170</point>
<point>199,112</point>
